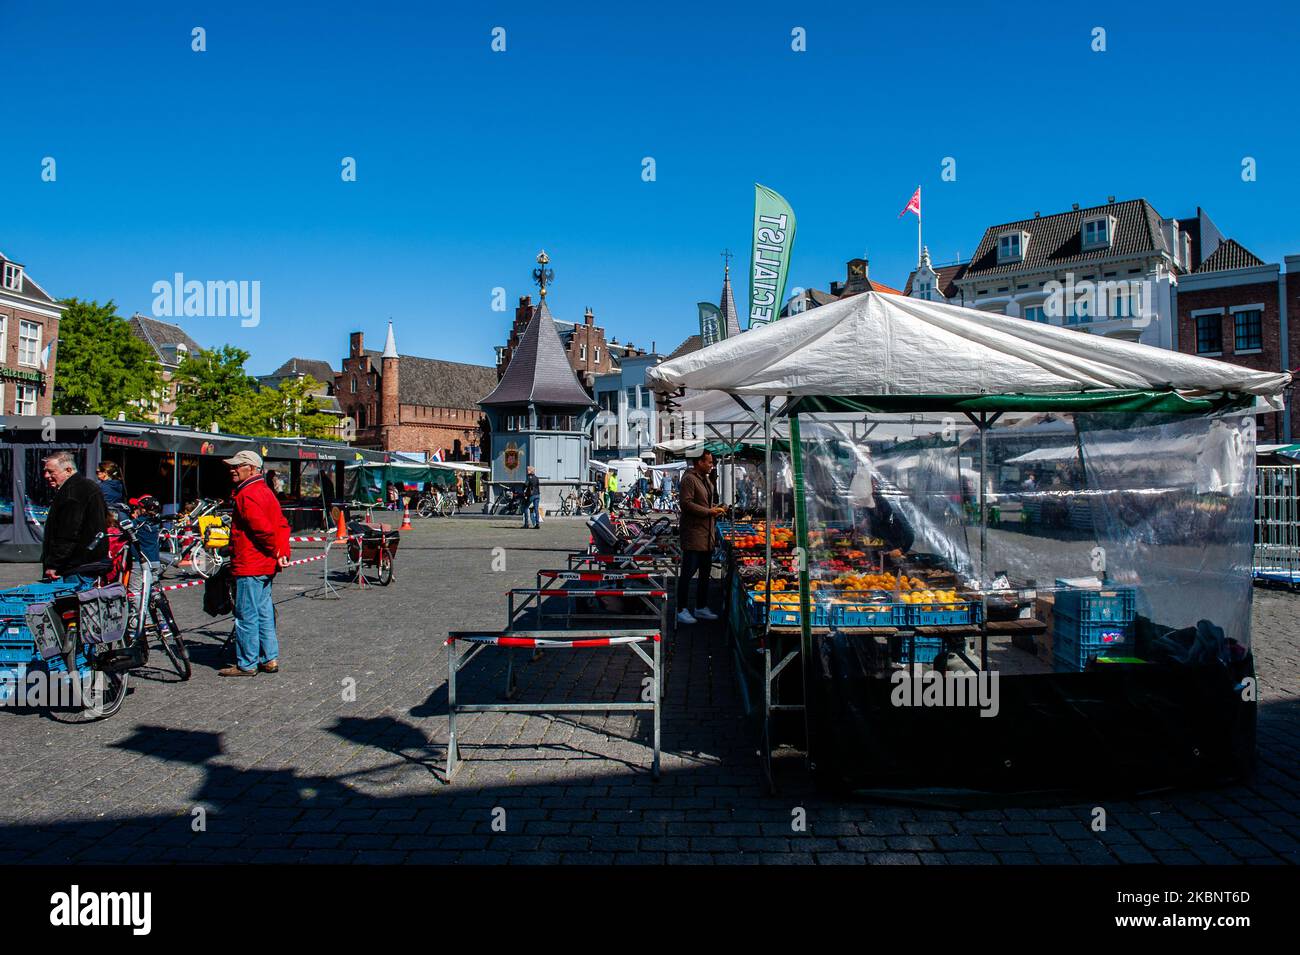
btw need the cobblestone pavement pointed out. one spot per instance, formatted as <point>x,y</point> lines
<point>284,769</point>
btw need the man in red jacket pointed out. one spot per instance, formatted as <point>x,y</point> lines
<point>259,544</point>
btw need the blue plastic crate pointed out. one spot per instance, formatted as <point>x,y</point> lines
<point>1091,636</point>
<point>1109,605</point>
<point>926,649</point>
<point>17,647</point>
<point>854,615</point>
<point>1069,656</point>
<point>970,612</point>
<point>787,615</point>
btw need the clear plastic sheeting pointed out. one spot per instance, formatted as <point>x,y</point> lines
<point>1057,541</point>
<point>1173,513</point>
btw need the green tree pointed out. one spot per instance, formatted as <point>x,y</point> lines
<point>213,386</point>
<point>291,409</point>
<point>101,368</point>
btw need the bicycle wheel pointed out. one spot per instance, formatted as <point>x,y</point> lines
<point>169,635</point>
<point>104,696</point>
<point>203,562</point>
<point>446,508</point>
<point>425,507</point>
<point>385,568</point>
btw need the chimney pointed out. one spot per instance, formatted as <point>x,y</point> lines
<point>1075,207</point>
<point>1110,200</point>
<point>587,317</point>
<point>835,288</point>
<point>354,344</point>
<point>1036,215</point>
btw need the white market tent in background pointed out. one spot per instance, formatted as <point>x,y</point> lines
<point>876,344</point>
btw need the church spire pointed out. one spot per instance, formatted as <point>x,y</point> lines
<point>727,302</point>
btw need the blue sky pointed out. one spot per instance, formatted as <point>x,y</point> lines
<point>226,164</point>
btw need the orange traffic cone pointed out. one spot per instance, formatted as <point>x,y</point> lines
<point>342,533</point>
<point>406,519</point>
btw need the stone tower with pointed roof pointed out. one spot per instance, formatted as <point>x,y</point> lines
<point>727,304</point>
<point>539,412</point>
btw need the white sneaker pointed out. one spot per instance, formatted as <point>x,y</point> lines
<point>685,617</point>
<point>704,613</point>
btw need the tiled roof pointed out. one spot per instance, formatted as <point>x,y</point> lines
<point>539,370</point>
<point>29,288</point>
<point>1230,255</point>
<point>1056,240</point>
<point>947,275</point>
<point>158,334</point>
<point>693,343</point>
<point>434,383</point>
<point>320,370</point>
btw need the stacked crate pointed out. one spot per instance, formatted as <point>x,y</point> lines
<point>1087,624</point>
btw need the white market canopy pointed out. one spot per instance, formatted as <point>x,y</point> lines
<point>888,345</point>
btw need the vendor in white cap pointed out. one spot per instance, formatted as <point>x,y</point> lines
<point>259,544</point>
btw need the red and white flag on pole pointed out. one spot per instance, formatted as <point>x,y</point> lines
<point>913,204</point>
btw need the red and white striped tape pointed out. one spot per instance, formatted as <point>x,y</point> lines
<point>562,592</point>
<point>308,540</point>
<point>502,640</point>
<point>188,583</point>
<point>201,581</point>
<point>591,576</point>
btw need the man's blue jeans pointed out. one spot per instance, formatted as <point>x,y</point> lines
<point>534,502</point>
<point>255,640</point>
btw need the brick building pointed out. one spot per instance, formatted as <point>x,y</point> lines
<point>420,405</point>
<point>584,344</point>
<point>29,327</point>
<point>170,344</point>
<point>1237,308</point>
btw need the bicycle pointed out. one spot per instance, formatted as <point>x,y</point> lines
<point>436,502</point>
<point>101,634</point>
<point>579,501</point>
<point>511,502</point>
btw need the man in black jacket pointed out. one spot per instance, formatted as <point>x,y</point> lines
<point>75,545</point>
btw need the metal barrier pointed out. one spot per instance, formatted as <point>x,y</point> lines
<point>1277,523</point>
<point>550,640</point>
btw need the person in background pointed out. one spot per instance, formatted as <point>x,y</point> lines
<point>116,547</point>
<point>144,512</point>
<point>699,511</point>
<point>259,545</point>
<point>393,496</point>
<point>532,498</point>
<point>110,482</point>
<point>74,547</point>
<point>611,488</point>
<point>460,490</point>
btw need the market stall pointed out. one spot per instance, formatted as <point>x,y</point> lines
<point>1112,654</point>
<point>368,482</point>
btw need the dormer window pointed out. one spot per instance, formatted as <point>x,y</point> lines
<point>181,351</point>
<point>1097,232</point>
<point>1011,246</point>
<point>13,276</point>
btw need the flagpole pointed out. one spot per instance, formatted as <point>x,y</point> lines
<point>918,226</point>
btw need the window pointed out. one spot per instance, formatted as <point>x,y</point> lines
<point>1249,325</point>
<point>582,352</point>
<point>1011,246</point>
<point>361,416</point>
<point>25,399</point>
<point>354,384</point>
<point>596,359</point>
<point>1096,233</point>
<point>1209,334</point>
<point>13,276</point>
<point>4,342</point>
<point>29,343</point>
<point>1034,313</point>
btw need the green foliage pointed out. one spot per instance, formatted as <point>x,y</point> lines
<point>212,386</point>
<point>289,410</point>
<point>100,367</point>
